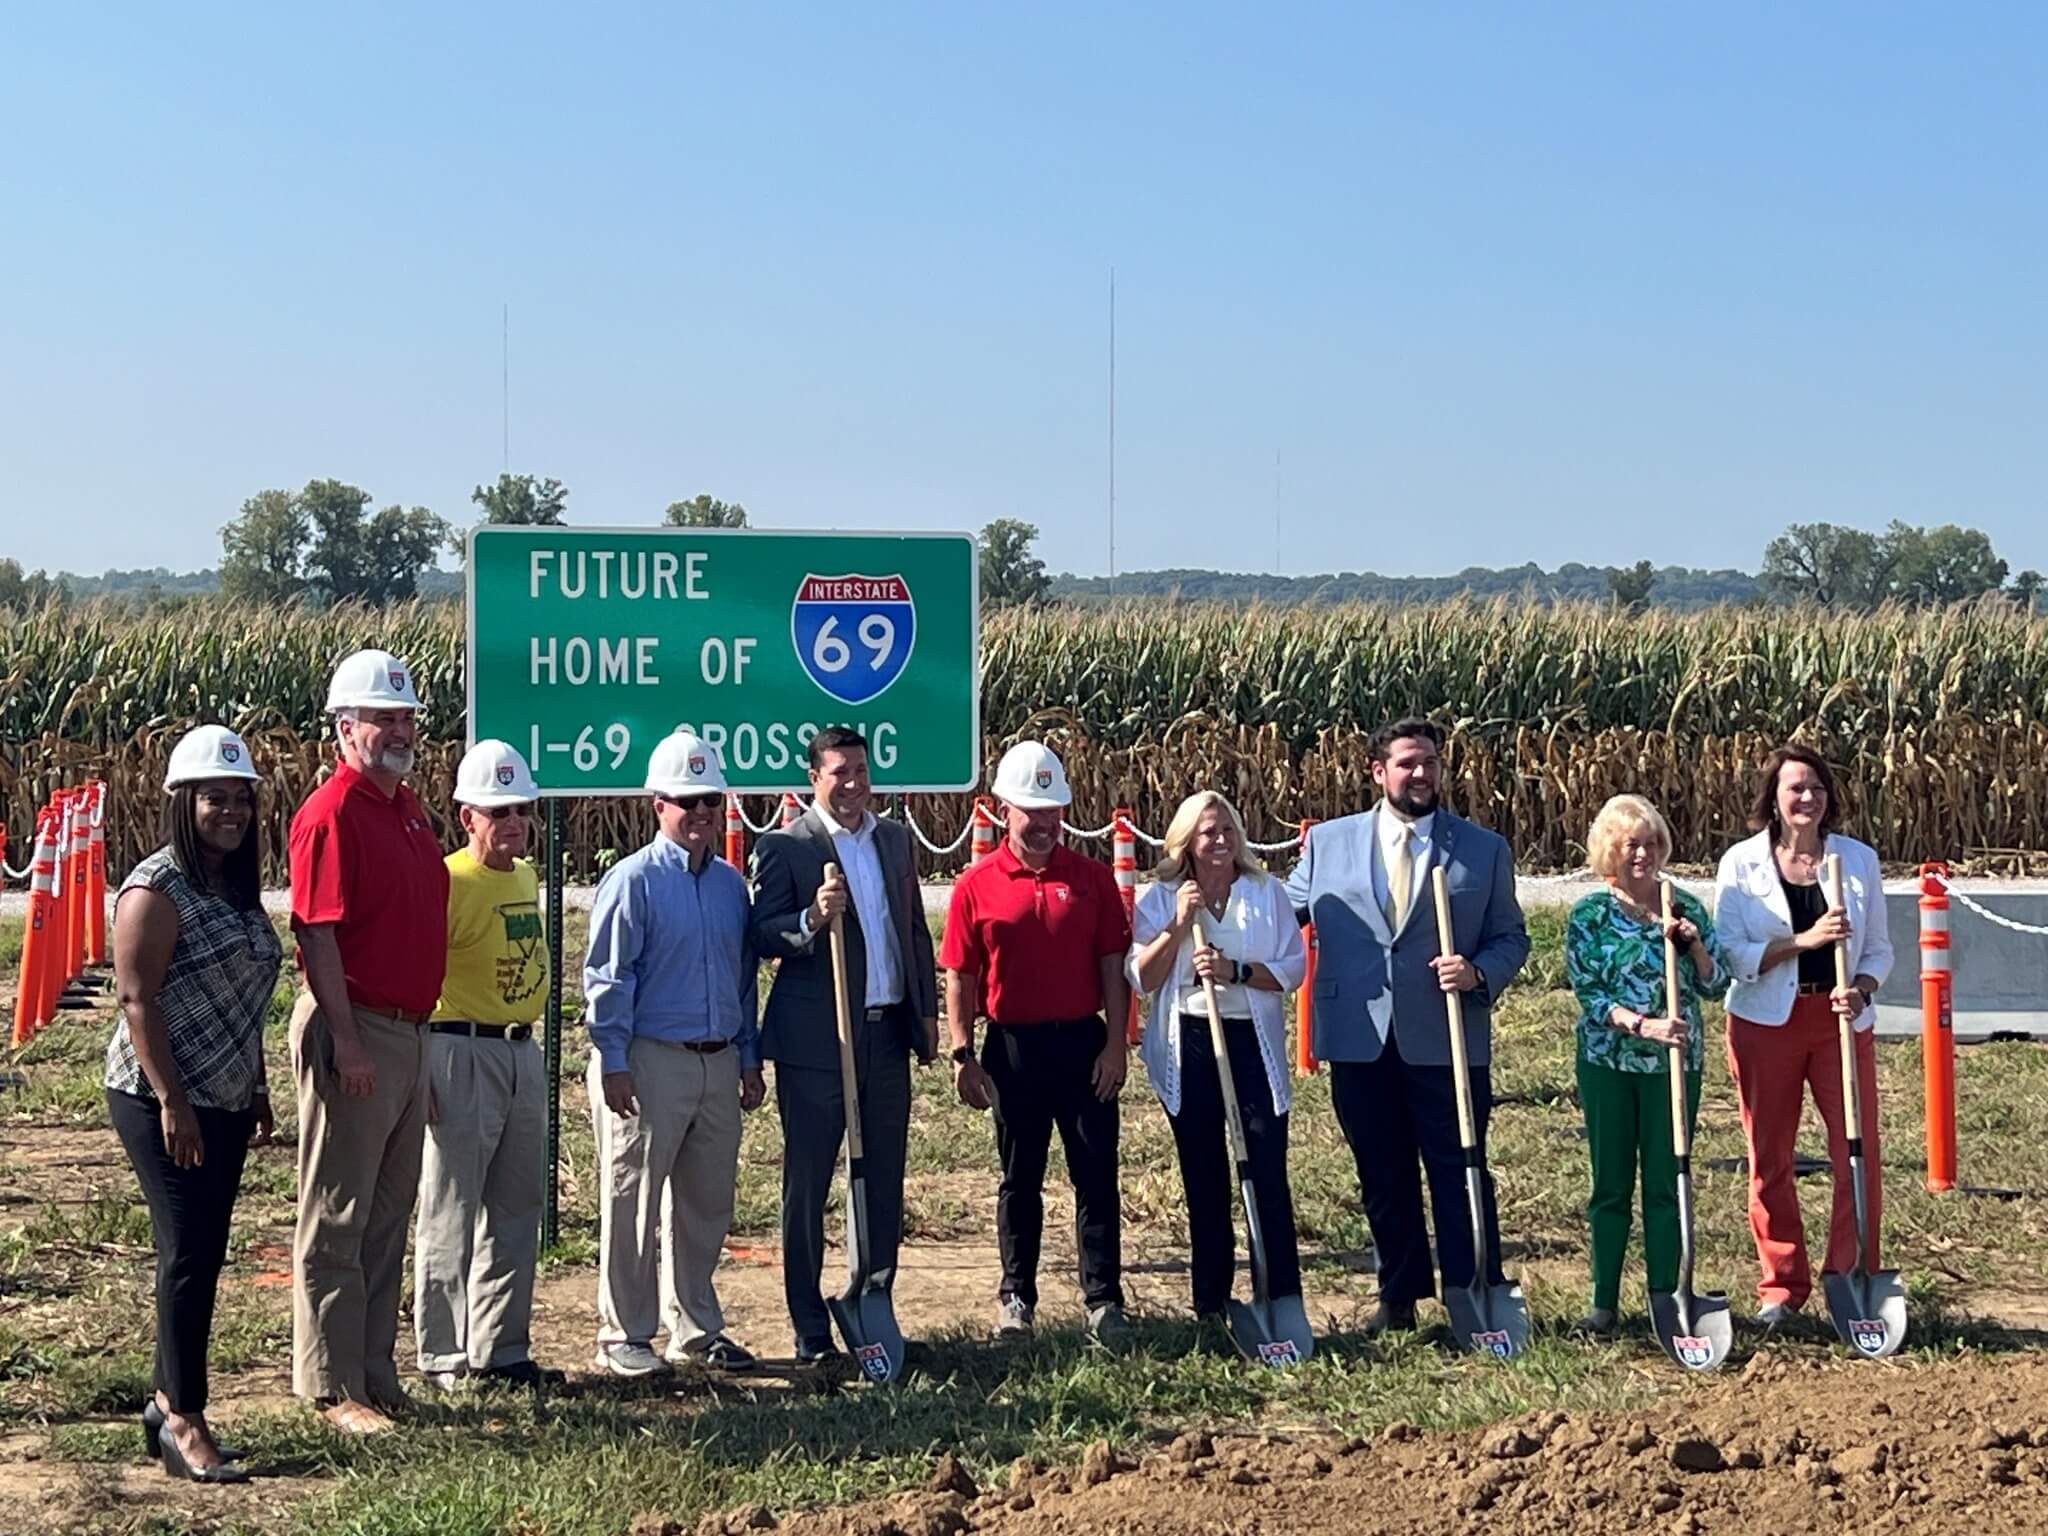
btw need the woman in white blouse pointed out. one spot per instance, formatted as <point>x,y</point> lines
<point>1254,954</point>
<point>1771,910</point>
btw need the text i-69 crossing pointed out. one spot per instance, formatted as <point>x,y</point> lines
<point>588,645</point>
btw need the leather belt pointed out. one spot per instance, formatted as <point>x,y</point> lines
<point>876,1015</point>
<point>1815,988</point>
<point>704,1047</point>
<point>399,1014</point>
<point>477,1031</point>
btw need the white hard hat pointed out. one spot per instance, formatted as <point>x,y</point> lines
<point>209,752</point>
<point>371,680</point>
<point>493,773</point>
<point>1031,778</point>
<point>685,764</point>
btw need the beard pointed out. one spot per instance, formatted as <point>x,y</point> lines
<point>1415,800</point>
<point>398,760</point>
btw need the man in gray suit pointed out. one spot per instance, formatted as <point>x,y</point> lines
<point>892,991</point>
<point>1380,1016</point>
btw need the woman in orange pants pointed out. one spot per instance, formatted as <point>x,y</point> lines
<point>1771,910</point>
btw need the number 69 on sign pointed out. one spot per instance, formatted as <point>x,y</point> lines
<point>585,751</point>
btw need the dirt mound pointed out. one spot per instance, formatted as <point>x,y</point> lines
<point>1785,1447</point>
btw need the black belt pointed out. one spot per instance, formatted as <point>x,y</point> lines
<point>876,1015</point>
<point>481,1031</point>
<point>704,1047</point>
<point>1816,988</point>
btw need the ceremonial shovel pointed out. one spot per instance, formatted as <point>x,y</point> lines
<point>1694,1330</point>
<point>1272,1330</point>
<point>1493,1319</point>
<point>1868,1306</point>
<point>865,1312</point>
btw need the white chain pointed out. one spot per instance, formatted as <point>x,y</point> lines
<point>1578,874</point>
<point>1073,831</point>
<point>17,874</point>
<point>1986,913</point>
<point>1291,843</point>
<point>918,832</point>
<point>773,822</point>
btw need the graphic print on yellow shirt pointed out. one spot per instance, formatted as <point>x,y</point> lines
<point>497,960</point>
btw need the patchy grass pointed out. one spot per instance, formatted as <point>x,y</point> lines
<point>75,1295</point>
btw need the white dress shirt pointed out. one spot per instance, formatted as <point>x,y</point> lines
<point>862,864</point>
<point>1391,830</point>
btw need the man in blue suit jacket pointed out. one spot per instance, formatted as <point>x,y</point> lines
<point>1381,1019</point>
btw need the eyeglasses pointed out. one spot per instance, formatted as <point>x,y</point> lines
<point>500,812</point>
<point>688,803</point>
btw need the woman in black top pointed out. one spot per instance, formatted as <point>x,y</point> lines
<point>195,962</point>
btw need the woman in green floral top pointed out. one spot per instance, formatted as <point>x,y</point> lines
<point>1614,953</point>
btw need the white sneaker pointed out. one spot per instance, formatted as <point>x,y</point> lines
<point>631,1361</point>
<point>446,1381</point>
<point>1013,1318</point>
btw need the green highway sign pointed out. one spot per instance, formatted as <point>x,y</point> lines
<point>588,645</point>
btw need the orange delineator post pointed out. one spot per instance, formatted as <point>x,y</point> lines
<point>735,834</point>
<point>1304,1000</point>
<point>792,808</point>
<point>32,1008</point>
<point>96,879</point>
<point>1124,861</point>
<point>982,842</point>
<point>54,973</point>
<point>1937,1028</point>
<point>75,877</point>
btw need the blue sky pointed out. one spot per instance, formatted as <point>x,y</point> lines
<point>1556,282</point>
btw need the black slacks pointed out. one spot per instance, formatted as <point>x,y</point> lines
<point>1202,1139</point>
<point>1392,1113</point>
<point>812,1105</point>
<point>1041,1074</point>
<point>189,1211</point>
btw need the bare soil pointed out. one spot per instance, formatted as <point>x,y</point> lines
<point>1784,1448</point>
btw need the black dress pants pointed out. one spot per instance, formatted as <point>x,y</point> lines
<point>1393,1112</point>
<point>189,1211</point>
<point>1202,1139</point>
<point>1042,1077</point>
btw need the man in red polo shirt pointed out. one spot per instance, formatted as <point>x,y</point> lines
<point>1035,941</point>
<point>370,908</point>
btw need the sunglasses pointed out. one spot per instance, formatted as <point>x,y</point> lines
<point>689,803</point>
<point>500,812</point>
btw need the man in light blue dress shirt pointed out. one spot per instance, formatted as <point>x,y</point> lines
<point>669,998</point>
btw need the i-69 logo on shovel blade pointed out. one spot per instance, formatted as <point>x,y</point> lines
<point>1494,1341</point>
<point>1870,1334</point>
<point>1697,1353</point>
<point>1278,1353</point>
<point>874,1361</point>
<point>853,634</point>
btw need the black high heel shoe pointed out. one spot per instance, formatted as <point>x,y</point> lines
<point>177,1466</point>
<point>153,1432</point>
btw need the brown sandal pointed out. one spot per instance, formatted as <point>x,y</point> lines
<point>347,1417</point>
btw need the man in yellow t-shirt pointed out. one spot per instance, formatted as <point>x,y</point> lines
<point>478,1228</point>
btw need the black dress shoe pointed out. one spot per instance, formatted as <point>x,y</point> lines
<point>818,1352</point>
<point>1392,1317</point>
<point>153,1430</point>
<point>524,1373</point>
<point>177,1466</point>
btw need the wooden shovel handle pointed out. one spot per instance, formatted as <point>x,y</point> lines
<point>1681,1142</point>
<point>849,1079</point>
<point>1851,1102</point>
<point>1454,1008</point>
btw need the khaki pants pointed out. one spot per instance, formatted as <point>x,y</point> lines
<point>359,1169</point>
<point>666,1179</point>
<point>478,1229</point>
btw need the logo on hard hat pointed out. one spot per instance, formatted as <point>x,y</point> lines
<point>1043,778</point>
<point>505,774</point>
<point>230,753</point>
<point>397,679</point>
<point>696,762</point>
<point>853,634</point>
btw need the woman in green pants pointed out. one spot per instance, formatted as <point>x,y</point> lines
<point>1614,953</point>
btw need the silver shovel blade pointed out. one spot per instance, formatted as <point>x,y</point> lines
<point>1489,1319</point>
<point>867,1321</point>
<point>1273,1333</point>
<point>1705,1344</point>
<point>1868,1310</point>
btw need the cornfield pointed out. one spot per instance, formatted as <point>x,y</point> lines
<point>1933,719</point>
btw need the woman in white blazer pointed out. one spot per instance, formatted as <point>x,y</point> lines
<point>1254,955</point>
<point>1772,914</point>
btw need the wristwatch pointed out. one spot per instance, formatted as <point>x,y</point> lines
<point>1240,973</point>
<point>962,1054</point>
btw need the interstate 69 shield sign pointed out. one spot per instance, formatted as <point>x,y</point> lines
<point>853,633</point>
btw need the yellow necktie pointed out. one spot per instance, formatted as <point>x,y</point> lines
<point>1400,880</point>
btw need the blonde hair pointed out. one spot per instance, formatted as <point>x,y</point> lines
<point>1619,817</point>
<point>1173,856</point>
